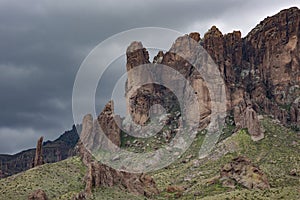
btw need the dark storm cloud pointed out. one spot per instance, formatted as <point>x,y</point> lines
<point>43,43</point>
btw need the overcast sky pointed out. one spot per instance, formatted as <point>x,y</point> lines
<point>43,43</point>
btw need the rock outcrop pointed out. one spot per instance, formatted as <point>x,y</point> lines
<point>103,132</point>
<point>263,66</point>
<point>137,94</point>
<point>38,195</point>
<point>246,117</point>
<point>110,123</point>
<point>38,159</point>
<point>241,171</point>
<point>271,50</point>
<point>140,99</point>
<point>98,174</point>
<point>226,50</point>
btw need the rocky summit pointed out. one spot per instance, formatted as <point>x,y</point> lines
<point>261,72</point>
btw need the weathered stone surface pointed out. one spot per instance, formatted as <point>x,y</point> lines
<point>141,99</point>
<point>137,94</point>
<point>38,159</point>
<point>242,171</point>
<point>226,51</point>
<point>38,195</point>
<point>246,117</point>
<point>110,123</point>
<point>272,51</point>
<point>99,175</point>
<point>195,36</point>
<point>103,132</point>
<point>264,65</point>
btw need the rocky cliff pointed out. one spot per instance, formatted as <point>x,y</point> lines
<point>263,67</point>
<point>261,72</point>
<point>271,51</point>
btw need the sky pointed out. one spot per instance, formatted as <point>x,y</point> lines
<point>44,42</point>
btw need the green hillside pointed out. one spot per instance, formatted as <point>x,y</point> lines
<point>277,155</point>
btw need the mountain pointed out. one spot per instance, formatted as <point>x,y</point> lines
<point>256,157</point>
<point>53,151</point>
<point>261,72</point>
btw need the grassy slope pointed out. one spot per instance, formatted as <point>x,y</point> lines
<point>276,155</point>
<point>60,181</point>
<point>56,180</point>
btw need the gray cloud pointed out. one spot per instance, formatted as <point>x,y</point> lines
<point>44,42</point>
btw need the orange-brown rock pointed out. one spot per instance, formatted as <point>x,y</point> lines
<point>136,55</point>
<point>110,123</point>
<point>226,51</point>
<point>137,93</point>
<point>264,65</point>
<point>99,175</point>
<point>272,51</point>
<point>242,171</point>
<point>38,195</point>
<point>195,36</point>
<point>103,132</point>
<point>175,188</point>
<point>185,47</point>
<point>38,159</point>
<point>246,117</point>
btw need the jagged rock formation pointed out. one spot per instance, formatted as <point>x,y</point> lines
<point>141,99</point>
<point>264,65</point>
<point>261,72</point>
<point>38,159</point>
<point>98,174</point>
<point>53,151</point>
<point>110,124</point>
<point>241,170</point>
<point>103,132</point>
<point>38,195</point>
<point>195,36</point>
<point>272,50</point>
<point>246,117</point>
<point>138,101</point>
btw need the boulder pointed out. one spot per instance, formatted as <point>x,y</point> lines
<point>38,195</point>
<point>242,171</point>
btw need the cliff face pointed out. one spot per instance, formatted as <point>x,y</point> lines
<point>261,72</point>
<point>138,101</point>
<point>272,51</point>
<point>141,97</point>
